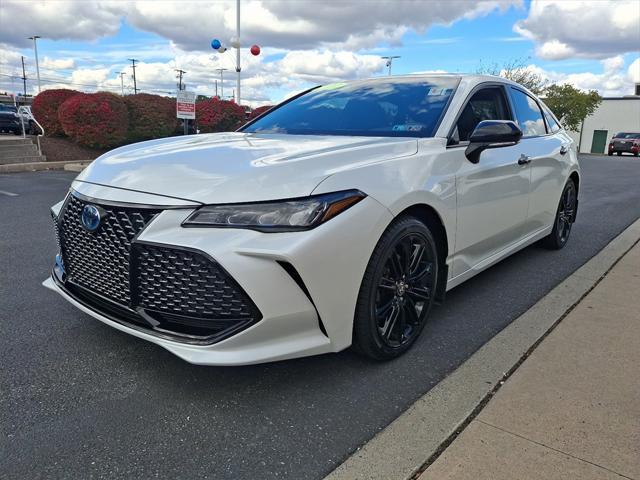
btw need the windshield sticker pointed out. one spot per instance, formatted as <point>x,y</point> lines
<point>330,86</point>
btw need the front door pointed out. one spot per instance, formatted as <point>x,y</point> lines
<point>492,195</point>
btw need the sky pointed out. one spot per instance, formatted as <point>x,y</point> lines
<point>85,44</point>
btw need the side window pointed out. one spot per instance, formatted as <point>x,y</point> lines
<point>486,104</point>
<point>528,114</point>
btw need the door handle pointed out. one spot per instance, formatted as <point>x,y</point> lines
<point>563,150</point>
<point>524,159</point>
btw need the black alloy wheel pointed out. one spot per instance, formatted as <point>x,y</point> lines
<point>397,291</point>
<point>565,217</point>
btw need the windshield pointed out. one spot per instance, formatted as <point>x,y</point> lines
<point>627,135</point>
<point>398,107</point>
<point>7,108</point>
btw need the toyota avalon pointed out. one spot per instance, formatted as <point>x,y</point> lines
<point>336,219</point>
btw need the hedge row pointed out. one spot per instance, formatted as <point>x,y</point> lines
<point>106,120</point>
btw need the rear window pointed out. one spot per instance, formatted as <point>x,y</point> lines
<point>528,114</point>
<point>627,135</point>
<point>399,107</point>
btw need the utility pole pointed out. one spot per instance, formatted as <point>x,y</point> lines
<point>135,85</point>
<point>217,88</point>
<point>35,49</point>
<point>24,78</point>
<point>390,62</point>
<point>180,73</point>
<point>238,50</point>
<point>122,74</point>
<point>221,70</point>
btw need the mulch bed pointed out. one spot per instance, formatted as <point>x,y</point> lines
<point>59,149</point>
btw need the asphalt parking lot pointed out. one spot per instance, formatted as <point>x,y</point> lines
<point>81,400</point>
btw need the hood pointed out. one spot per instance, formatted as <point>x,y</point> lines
<point>238,167</point>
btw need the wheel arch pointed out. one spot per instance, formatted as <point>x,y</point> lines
<point>432,219</point>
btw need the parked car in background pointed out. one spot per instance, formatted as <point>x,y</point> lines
<point>10,120</point>
<point>625,142</point>
<point>336,219</point>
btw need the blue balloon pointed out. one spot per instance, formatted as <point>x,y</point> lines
<point>215,44</point>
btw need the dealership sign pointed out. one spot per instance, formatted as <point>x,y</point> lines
<point>186,105</point>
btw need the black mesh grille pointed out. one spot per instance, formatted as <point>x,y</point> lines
<point>171,290</point>
<point>182,282</point>
<point>99,261</point>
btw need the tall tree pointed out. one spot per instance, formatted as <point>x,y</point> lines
<point>571,105</point>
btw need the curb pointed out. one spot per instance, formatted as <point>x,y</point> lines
<point>414,440</point>
<point>38,166</point>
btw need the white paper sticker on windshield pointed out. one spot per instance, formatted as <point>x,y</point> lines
<point>435,91</point>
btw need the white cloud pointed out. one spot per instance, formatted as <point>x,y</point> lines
<point>85,20</point>
<point>587,28</point>
<point>612,82</point>
<point>290,24</point>
<point>57,63</point>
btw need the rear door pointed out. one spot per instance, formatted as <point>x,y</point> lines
<point>548,149</point>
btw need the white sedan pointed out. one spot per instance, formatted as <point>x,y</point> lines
<point>336,219</point>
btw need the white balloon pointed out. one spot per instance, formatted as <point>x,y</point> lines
<point>235,42</point>
<point>222,49</point>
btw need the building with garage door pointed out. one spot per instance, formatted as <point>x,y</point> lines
<point>614,115</point>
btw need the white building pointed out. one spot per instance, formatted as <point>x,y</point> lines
<point>613,115</point>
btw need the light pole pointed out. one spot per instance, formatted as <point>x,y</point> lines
<point>221,82</point>
<point>35,50</point>
<point>238,50</point>
<point>389,60</point>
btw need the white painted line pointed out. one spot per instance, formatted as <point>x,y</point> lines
<point>8,194</point>
<point>403,447</point>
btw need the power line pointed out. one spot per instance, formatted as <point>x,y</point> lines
<point>135,85</point>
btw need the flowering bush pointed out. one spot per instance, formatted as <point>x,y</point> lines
<point>45,109</point>
<point>98,120</point>
<point>150,116</point>
<point>259,111</point>
<point>214,115</point>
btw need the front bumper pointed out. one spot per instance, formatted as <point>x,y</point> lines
<point>304,314</point>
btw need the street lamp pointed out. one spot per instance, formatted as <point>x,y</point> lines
<point>221,81</point>
<point>35,49</point>
<point>390,61</point>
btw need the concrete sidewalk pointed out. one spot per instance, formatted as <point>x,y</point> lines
<point>572,409</point>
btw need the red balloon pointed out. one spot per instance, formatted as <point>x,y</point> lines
<point>255,50</point>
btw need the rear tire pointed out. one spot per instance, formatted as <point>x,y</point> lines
<point>397,290</point>
<point>611,154</point>
<point>565,216</point>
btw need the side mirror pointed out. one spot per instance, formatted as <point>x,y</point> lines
<point>492,134</point>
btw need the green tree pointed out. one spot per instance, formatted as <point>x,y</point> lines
<point>516,71</point>
<point>571,105</point>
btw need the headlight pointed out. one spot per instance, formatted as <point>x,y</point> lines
<point>279,216</point>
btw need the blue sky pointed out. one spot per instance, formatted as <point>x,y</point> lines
<point>297,53</point>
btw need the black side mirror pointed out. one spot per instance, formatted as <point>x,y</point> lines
<point>492,134</point>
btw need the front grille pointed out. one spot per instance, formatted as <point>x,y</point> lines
<point>184,282</point>
<point>170,290</point>
<point>99,261</point>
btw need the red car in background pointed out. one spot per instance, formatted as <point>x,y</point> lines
<point>625,142</point>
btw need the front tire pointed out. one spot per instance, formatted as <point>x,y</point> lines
<point>565,216</point>
<point>397,291</point>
